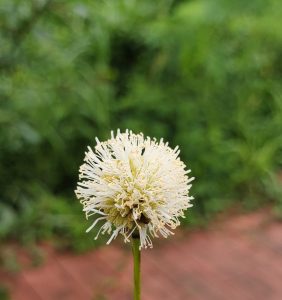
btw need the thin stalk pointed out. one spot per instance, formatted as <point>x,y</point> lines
<point>136,260</point>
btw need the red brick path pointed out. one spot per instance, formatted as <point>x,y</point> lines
<point>238,259</point>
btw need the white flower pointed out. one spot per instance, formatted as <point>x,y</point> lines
<point>135,185</point>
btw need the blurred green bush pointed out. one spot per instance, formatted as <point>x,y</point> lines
<point>205,75</point>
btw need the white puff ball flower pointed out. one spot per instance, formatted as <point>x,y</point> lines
<point>136,186</point>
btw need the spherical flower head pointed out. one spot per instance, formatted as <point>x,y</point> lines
<point>136,186</point>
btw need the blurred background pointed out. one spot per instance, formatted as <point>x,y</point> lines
<point>204,75</point>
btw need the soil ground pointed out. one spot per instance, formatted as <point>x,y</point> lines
<point>239,258</point>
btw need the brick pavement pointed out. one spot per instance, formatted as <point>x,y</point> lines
<point>239,258</point>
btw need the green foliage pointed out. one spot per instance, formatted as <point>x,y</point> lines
<point>9,261</point>
<point>205,75</point>
<point>4,293</point>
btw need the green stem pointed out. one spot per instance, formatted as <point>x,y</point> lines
<point>136,260</point>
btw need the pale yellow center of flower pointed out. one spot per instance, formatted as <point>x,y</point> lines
<point>130,206</point>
